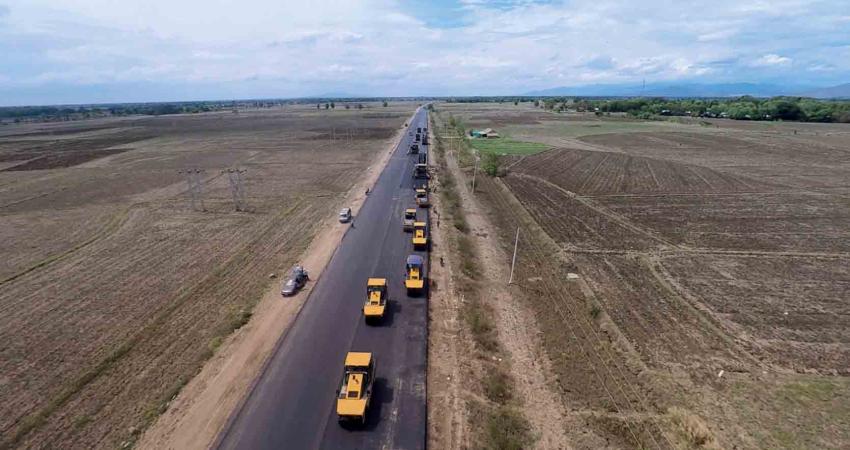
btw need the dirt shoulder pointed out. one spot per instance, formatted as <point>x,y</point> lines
<point>467,397</point>
<point>448,342</point>
<point>517,329</point>
<point>196,416</point>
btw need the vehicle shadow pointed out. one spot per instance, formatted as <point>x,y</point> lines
<point>383,394</point>
<point>421,293</point>
<point>426,289</point>
<point>393,307</point>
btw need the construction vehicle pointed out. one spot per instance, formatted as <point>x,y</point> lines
<point>409,219</point>
<point>415,280</point>
<point>355,390</point>
<point>420,239</point>
<point>420,171</point>
<point>422,198</point>
<point>376,299</point>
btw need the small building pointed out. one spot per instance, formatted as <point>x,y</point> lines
<point>485,133</point>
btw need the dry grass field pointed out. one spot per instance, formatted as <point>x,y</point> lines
<point>714,273</point>
<point>113,291</point>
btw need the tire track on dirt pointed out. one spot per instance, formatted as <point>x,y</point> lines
<point>28,319</point>
<point>111,227</point>
<point>559,303</point>
<point>158,322</point>
<point>624,222</point>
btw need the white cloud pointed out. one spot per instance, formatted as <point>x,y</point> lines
<point>385,47</point>
<point>718,35</point>
<point>772,59</point>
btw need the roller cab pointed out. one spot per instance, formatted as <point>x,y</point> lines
<point>376,299</point>
<point>420,237</point>
<point>355,391</point>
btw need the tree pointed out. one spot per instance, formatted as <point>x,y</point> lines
<point>360,106</point>
<point>491,163</point>
<point>787,110</point>
<point>536,103</point>
<point>385,104</point>
<point>327,106</point>
<point>318,105</point>
<point>347,106</point>
<point>516,103</point>
<point>333,106</point>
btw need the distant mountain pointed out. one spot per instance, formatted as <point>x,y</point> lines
<point>334,95</point>
<point>840,91</point>
<point>675,90</point>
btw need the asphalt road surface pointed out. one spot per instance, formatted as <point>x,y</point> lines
<point>293,404</point>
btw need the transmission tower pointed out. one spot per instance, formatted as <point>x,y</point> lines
<point>237,189</point>
<point>195,184</point>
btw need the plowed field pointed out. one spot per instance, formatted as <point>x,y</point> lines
<point>713,271</point>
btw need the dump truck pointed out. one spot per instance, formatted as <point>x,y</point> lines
<point>415,280</point>
<point>355,390</point>
<point>420,238</point>
<point>422,198</point>
<point>420,171</point>
<point>376,299</point>
<point>409,219</point>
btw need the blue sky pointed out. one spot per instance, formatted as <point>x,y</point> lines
<point>80,51</point>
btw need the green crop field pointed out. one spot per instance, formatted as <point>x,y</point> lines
<point>507,146</point>
<point>576,129</point>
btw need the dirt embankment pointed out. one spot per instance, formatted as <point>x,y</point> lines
<point>486,363</point>
<point>196,416</point>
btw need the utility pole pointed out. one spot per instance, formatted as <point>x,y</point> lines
<point>513,260</point>
<point>199,187</point>
<point>234,176</point>
<point>451,140</point>
<point>475,169</point>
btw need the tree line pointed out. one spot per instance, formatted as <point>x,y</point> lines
<point>801,109</point>
<point>74,112</point>
<point>740,108</point>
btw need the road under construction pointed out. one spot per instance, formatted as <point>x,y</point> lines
<point>293,402</point>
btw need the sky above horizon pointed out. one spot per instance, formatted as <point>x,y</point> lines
<point>90,51</point>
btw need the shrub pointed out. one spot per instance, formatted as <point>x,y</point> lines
<point>508,430</point>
